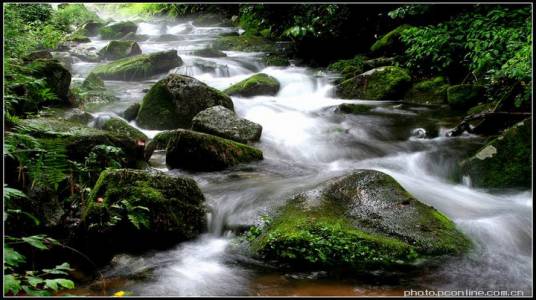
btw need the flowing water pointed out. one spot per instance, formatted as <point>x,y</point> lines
<point>305,141</point>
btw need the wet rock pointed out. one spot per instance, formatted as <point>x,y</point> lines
<point>384,83</point>
<point>363,221</point>
<point>77,38</point>
<point>79,139</point>
<point>39,54</point>
<point>65,59</point>
<point>504,162</point>
<point>117,30</point>
<point>79,116</point>
<point>85,54</point>
<point>167,38</point>
<point>256,85</point>
<point>433,91</point>
<point>464,96</point>
<point>244,43</point>
<point>190,150</point>
<point>350,108</point>
<point>135,37</point>
<point>173,102</point>
<point>93,91</point>
<point>121,127</point>
<point>209,52</point>
<point>56,76</point>
<point>390,42</point>
<point>378,62</point>
<point>223,122</point>
<point>139,210</point>
<point>131,112</point>
<point>91,28</point>
<point>139,67</point>
<point>120,49</point>
<point>93,82</point>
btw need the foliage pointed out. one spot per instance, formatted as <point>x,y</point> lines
<point>32,282</point>
<point>102,157</point>
<point>72,15</point>
<point>174,10</point>
<point>409,10</point>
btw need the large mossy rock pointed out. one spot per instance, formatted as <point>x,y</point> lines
<point>79,140</point>
<point>390,42</point>
<point>56,76</point>
<point>348,68</point>
<point>130,210</point>
<point>504,162</point>
<point>433,91</point>
<point>361,222</point>
<point>383,83</point>
<point>247,43</point>
<point>173,102</point>
<point>117,30</point>
<point>256,85</point>
<point>93,91</point>
<point>223,122</point>
<point>91,28</point>
<point>121,127</point>
<point>120,49</point>
<point>190,150</point>
<point>464,96</point>
<point>139,67</point>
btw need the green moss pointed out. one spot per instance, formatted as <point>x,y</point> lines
<point>258,84</point>
<point>204,152</point>
<point>120,49</point>
<point>349,108</point>
<point>93,82</point>
<point>248,43</point>
<point>275,60</point>
<point>139,67</point>
<point>390,41</point>
<point>504,162</point>
<point>484,107</point>
<point>384,83</point>
<point>78,36</point>
<point>117,30</point>
<point>464,96</point>
<point>121,127</point>
<point>433,91</point>
<point>158,109</point>
<point>175,207</point>
<point>348,67</point>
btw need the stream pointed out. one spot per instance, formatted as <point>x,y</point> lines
<point>305,142</point>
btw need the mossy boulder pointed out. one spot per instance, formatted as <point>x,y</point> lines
<point>247,43</point>
<point>131,210</point>
<point>131,112</point>
<point>360,222</point>
<point>139,67</point>
<point>378,62</point>
<point>432,91</point>
<point>120,49</point>
<point>56,76</point>
<point>38,54</point>
<point>79,116</point>
<point>209,52</point>
<point>504,162</point>
<point>223,122</point>
<point>91,28</point>
<point>464,96</point>
<point>65,59</point>
<point>256,85</point>
<point>390,42</point>
<point>195,151</point>
<point>173,102</point>
<point>383,83</point>
<point>117,30</point>
<point>350,108</point>
<point>348,68</point>
<point>77,38</point>
<point>121,127</point>
<point>79,140</point>
<point>93,82</point>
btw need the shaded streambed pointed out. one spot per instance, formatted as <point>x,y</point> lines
<point>306,141</point>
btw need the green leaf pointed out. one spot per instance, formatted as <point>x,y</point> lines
<point>36,241</point>
<point>66,283</point>
<point>33,292</point>
<point>11,284</point>
<point>51,284</point>
<point>34,281</point>
<point>12,258</point>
